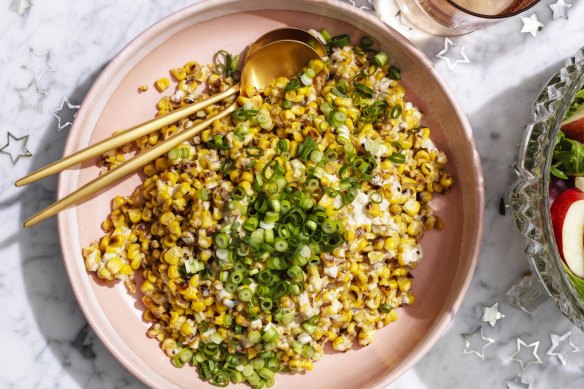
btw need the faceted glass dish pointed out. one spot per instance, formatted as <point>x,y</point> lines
<point>529,195</point>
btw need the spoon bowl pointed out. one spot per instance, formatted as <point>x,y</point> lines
<point>283,58</point>
<point>288,34</point>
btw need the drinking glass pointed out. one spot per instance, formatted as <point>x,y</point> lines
<point>457,17</point>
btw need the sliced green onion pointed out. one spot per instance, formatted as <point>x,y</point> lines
<point>340,40</point>
<point>254,151</point>
<point>375,197</point>
<point>397,158</point>
<point>380,58</point>
<point>396,112</point>
<point>221,240</point>
<point>280,245</point>
<point>245,294</point>
<point>270,334</point>
<point>251,224</point>
<point>394,73</point>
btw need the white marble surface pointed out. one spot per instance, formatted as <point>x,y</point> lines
<point>45,339</point>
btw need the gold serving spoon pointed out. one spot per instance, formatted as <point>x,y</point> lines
<point>289,34</point>
<point>130,134</point>
<point>283,58</point>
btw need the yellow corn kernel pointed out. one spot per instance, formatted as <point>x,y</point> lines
<point>198,306</point>
<point>349,235</point>
<point>172,255</point>
<point>164,104</point>
<point>412,207</point>
<point>205,255</point>
<point>142,88</point>
<point>167,218</point>
<point>173,272</point>
<point>317,65</point>
<point>391,243</point>
<point>186,328</point>
<point>105,274</point>
<point>114,265</point>
<point>373,209</point>
<point>415,228</point>
<point>179,74</point>
<point>446,180</point>
<point>126,270</point>
<point>162,84</point>
<point>404,283</point>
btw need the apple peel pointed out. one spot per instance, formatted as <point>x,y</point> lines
<point>567,213</point>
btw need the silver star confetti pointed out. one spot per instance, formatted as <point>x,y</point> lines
<point>31,93</point>
<point>65,114</point>
<point>560,9</point>
<point>38,63</point>
<point>518,383</point>
<point>492,314</point>
<point>20,6</point>
<point>531,25</point>
<point>16,149</point>
<point>524,364</point>
<point>449,58</point>
<point>559,345</point>
<point>470,338</point>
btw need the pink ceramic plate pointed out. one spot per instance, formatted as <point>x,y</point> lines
<point>195,33</point>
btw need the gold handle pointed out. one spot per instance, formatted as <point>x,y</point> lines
<point>125,169</point>
<point>124,137</point>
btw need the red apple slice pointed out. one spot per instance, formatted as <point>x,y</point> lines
<point>573,126</point>
<point>567,214</point>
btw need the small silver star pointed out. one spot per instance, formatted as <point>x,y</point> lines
<point>535,360</point>
<point>444,54</point>
<point>560,9</point>
<point>38,63</point>
<point>65,115</point>
<point>17,149</point>
<point>492,314</point>
<point>558,346</point>
<point>518,383</point>
<point>20,6</point>
<point>468,339</point>
<point>31,93</point>
<point>531,25</point>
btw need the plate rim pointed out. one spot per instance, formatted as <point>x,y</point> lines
<point>441,322</point>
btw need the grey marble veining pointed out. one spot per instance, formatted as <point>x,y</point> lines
<point>46,342</point>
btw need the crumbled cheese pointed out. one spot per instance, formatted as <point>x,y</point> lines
<point>411,254</point>
<point>331,271</point>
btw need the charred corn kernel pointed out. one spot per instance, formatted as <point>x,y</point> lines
<point>373,210</point>
<point>446,181</point>
<point>162,84</point>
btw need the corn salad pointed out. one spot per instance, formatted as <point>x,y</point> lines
<point>293,223</point>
